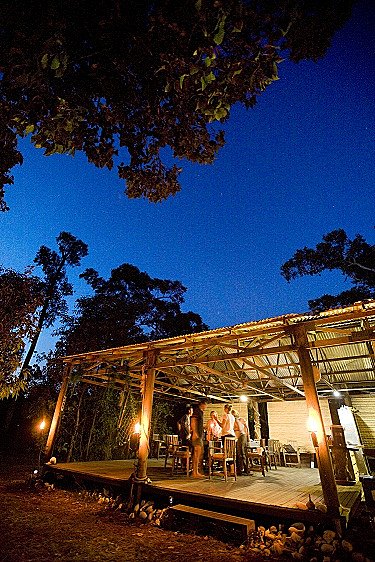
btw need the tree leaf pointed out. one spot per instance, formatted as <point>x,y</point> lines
<point>220,113</point>
<point>55,63</point>
<point>218,38</point>
<point>44,61</point>
<point>29,129</point>
<point>182,78</point>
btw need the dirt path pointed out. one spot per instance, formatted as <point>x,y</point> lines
<point>42,525</point>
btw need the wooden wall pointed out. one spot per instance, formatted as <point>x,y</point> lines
<point>288,422</point>
<point>364,413</point>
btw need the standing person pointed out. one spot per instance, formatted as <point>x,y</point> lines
<point>227,423</point>
<point>196,423</point>
<point>242,433</point>
<point>213,428</point>
<point>183,426</point>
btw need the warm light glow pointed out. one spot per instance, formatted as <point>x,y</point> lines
<point>42,425</point>
<point>336,394</point>
<point>243,398</point>
<point>137,428</point>
<point>312,426</point>
<point>312,422</point>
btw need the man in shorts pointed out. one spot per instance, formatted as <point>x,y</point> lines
<point>196,423</point>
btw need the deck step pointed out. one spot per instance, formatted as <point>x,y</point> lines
<point>227,528</point>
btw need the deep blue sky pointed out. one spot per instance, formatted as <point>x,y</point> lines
<point>297,166</point>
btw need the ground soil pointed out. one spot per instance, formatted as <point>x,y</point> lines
<point>38,524</point>
<point>41,525</point>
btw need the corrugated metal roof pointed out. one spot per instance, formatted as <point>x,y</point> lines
<point>260,356</point>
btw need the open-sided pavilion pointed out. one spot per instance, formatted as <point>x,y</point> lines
<point>287,358</point>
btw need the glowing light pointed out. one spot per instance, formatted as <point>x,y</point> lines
<point>312,425</point>
<point>336,394</point>
<point>137,428</point>
<point>243,398</point>
<point>42,425</point>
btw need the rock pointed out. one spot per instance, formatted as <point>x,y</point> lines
<point>149,509</point>
<point>278,547</point>
<point>301,505</point>
<point>269,535</point>
<point>143,515</point>
<point>150,515</point>
<point>298,528</point>
<point>328,536</point>
<point>147,504</point>
<point>136,508</point>
<point>327,548</point>
<point>297,556</point>
<point>273,529</point>
<point>358,557</point>
<point>295,537</point>
<point>321,507</point>
<point>347,546</point>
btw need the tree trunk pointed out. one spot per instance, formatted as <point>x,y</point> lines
<point>75,432</point>
<point>49,293</point>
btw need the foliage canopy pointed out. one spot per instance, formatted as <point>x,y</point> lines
<point>21,296</point>
<point>122,80</point>
<point>28,304</point>
<point>354,258</point>
<point>127,308</point>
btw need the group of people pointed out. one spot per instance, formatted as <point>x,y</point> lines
<point>191,431</point>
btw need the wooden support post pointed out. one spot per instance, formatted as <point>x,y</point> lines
<point>57,414</point>
<point>257,428</point>
<point>148,380</point>
<point>327,477</point>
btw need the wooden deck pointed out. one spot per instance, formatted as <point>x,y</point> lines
<point>274,495</point>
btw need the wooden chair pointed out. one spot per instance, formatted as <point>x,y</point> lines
<point>156,445</point>
<point>274,452</point>
<point>223,456</point>
<point>181,459</point>
<point>171,442</point>
<point>267,456</point>
<point>291,456</point>
<point>256,457</point>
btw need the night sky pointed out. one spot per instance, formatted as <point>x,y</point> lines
<point>294,168</point>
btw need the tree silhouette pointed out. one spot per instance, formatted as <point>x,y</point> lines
<point>354,258</point>
<point>56,285</point>
<point>129,307</point>
<point>123,79</point>
<point>21,296</point>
